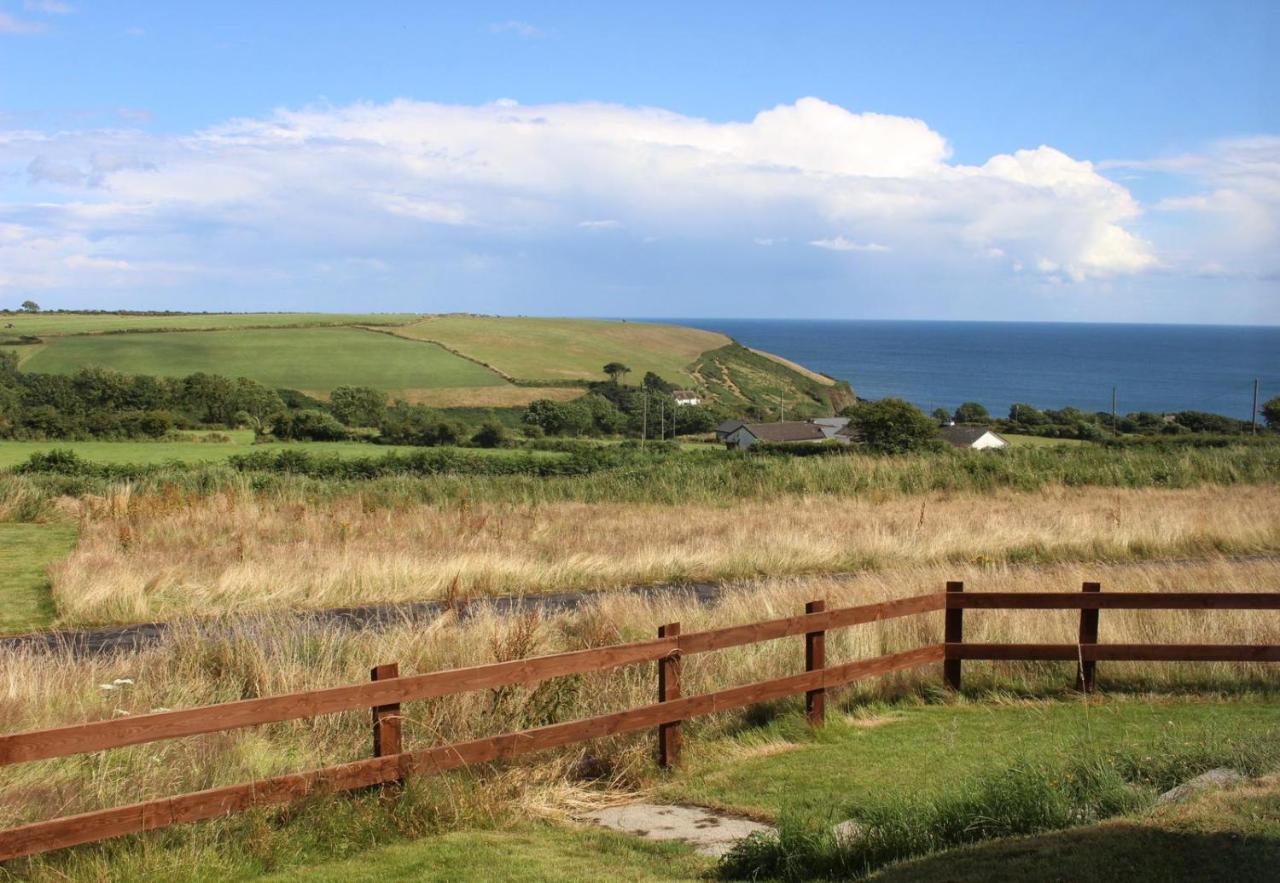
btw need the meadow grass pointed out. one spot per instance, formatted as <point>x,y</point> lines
<point>315,359</point>
<point>145,557</point>
<point>568,349</point>
<point>26,551</point>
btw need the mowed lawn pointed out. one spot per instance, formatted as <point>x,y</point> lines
<point>569,349</point>
<point>924,750</point>
<point>45,324</point>
<point>918,751</point>
<point>312,359</point>
<point>26,550</point>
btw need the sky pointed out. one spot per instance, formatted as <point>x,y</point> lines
<point>1024,161</point>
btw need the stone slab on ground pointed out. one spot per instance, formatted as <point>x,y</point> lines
<point>1222,777</point>
<point>708,832</point>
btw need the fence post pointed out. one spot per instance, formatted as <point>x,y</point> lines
<point>953,633</point>
<point>668,689</point>
<point>815,658</point>
<point>1086,675</point>
<point>386,718</point>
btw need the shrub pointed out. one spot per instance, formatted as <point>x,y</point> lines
<point>358,405</point>
<point>972,412</point>
<point>309,426</point>
<point>892,426</point>
<point>491,434</point>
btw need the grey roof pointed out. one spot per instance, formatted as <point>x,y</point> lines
<point>964,436</point>
<point>788,431</point>
<point>730,425</point>
<point>830,426</point>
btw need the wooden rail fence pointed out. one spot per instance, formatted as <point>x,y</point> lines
<point>387,689</point>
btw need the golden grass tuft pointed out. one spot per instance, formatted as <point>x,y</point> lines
<point>144,557</point>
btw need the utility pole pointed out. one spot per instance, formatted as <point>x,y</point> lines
<point>644,422</point>
<point>1255,406</point>
<point>1115,430</point>
<point>662,419</point>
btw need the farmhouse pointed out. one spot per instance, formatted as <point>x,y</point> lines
<point>830,426</point>
<point>785,432</point>
<point>726,427</point>
<point>974,437</point>
<point>686,397</point>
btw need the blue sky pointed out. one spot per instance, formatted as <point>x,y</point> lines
<point>1108,162</point>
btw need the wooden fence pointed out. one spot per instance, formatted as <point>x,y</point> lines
<point>387,689</point>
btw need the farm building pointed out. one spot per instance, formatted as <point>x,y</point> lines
<point>785,432</point>
<point>686,397</point>
<point>977,438</point>
<point>726,427</point>
<point>830,426</point>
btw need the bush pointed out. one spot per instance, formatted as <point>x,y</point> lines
<point>406,424</point>
<point>309,426</point>
<point>972,412</point>
<point>358,405</point>
<point>491,434</point>
<point>892,426</point>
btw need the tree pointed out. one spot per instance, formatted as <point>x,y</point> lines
<point>309,425</point>
<point>491,434</point>
<point>1271,412</point>
<point>259,404</point>
<point>1027,415</point>
<point>972,412</point>
<point>358,405</point>
<point>892,426</point>
<point>654,383</point>
<point>558,418</point>
<point>30,306</point>
<point>942,415</point>
<point>616,371</point>
<point>406,424</point>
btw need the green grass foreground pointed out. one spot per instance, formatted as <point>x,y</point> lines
<point>469,826</point>
<point>26,550</point>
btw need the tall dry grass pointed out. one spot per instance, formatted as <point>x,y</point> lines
<point>196,665</point>
<point>159,556</point>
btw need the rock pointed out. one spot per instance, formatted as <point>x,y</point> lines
<point>847,830</point>
<point>708,832</point>
<point>1216,778</point>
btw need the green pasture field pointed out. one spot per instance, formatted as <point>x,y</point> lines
<point>569,349</point>
<point>49,324</point>
<point>25,551</point>
<point>1027,441</point>
<point>146,453</point>
<point>311,359</point>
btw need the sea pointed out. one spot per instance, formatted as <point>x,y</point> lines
<point>1158,368</point>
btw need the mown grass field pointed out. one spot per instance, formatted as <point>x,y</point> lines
<point>49,324</point>
<point>13,453</point>
<point>314,359</point>
<point>26,551</point>
<point>569,349</point>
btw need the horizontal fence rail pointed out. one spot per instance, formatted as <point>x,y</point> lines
<point>387,690</point>
<point>138,729</point>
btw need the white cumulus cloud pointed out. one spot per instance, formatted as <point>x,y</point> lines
<point>421,184</point>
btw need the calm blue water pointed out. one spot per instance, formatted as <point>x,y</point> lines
<point>1050,365</point>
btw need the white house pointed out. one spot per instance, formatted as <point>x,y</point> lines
<point>977,438</point>
<point>686,397</point>
<point>830,425</point>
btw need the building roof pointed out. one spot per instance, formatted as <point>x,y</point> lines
<point>728,426</point>
<point>964,436</point>
<point>830,425</point>
<point>786,431</point>
<point>685,394</point>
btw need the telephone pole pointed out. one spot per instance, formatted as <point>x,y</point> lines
<point>644,421</point>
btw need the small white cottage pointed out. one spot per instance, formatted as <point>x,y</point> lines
<point>977,438</point>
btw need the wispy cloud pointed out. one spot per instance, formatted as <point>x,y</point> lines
<point>839,243</point>
<point>48,7</point>
<point>12,25</point>
<point>604,224</point>
<point>521,29</point>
